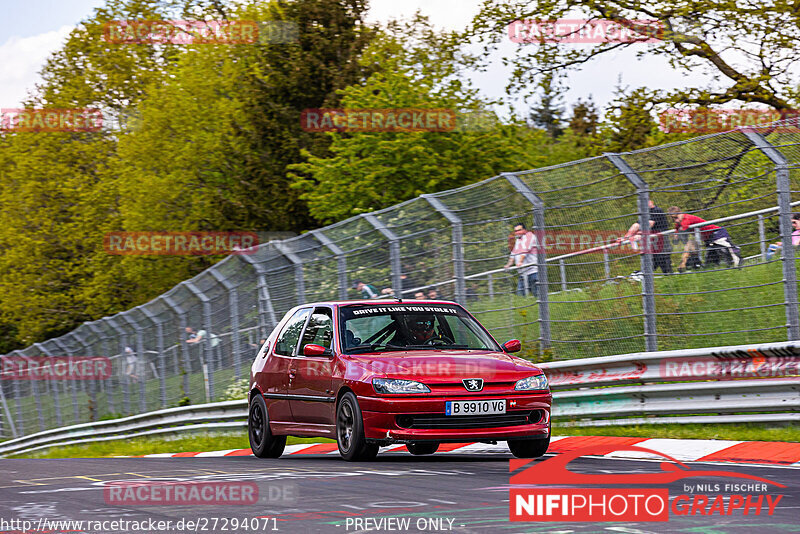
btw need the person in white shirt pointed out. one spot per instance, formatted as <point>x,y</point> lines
<point>524,256</point>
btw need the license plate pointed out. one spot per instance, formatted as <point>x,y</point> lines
<point>474,407</point>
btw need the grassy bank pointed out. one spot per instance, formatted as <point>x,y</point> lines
<point>601,319</point>
<point>140,446</point>
<point>218,442</point>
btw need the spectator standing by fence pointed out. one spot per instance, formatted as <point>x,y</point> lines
<point>716,239</point>
<point>367,291</point>
<point>523,255</point>
<point>658,245</point>
<point>775,247</point>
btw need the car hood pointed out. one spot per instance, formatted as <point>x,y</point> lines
<point>439,366</point>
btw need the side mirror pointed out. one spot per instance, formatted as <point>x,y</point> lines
<point>512,346</point>
<point>316,350</point>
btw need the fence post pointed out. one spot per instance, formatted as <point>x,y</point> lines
<point>109,381</point>
<point>341,260</point>
<point>783,188</point>
<point>53,384</point>
<point>34,394</point>
<point>187,366</point>
<point>298,270</point>
<point>91,389</point>
<point>122,343</point>
<point>9,417</point>
<point>266,313</point>
<point>648,288</point>
<point>394,249</point>
<point>56,395</point>
<point>562,268</point>
<point>762,240</point>
<point>162,365</point>
<point>233,304</point>
<point>458,246</point>
<point>140,354</point>
<point>541,255</point>
<point>63,348</point>
<point>206,346</point>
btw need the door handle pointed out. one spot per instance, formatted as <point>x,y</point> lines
<point>292,373</point>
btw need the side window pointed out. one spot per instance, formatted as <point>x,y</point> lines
<point>287,341</point>
<point>319,330</point>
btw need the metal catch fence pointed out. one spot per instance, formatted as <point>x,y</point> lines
<point>592,294</point>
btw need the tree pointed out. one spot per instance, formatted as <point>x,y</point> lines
<point>751,51</point>
<point>629,123</point>
<point>57,198</point>
<point>585,119</point>
<point>282,81</point>
<point>371,170</point>
<point>548,113</point>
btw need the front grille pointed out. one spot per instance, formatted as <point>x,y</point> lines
<point>430,421</point>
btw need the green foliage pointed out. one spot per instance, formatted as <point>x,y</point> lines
<point>709,35</point>
<point>548,113</point>
<point>207,133</point>
<point>365,171</point>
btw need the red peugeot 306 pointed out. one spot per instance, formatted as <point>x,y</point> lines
<point>376,373</point>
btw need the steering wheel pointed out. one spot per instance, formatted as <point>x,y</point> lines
<point>441,340</point>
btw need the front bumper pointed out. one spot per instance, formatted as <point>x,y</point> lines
<point>380,415</point>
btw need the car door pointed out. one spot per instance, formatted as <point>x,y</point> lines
<point>277,366</point>
<point>310,395</point>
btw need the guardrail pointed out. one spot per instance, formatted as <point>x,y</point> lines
<point>211,416</point>
<point>746,383</point>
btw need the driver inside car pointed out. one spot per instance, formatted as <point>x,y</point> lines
<point>420,329</point>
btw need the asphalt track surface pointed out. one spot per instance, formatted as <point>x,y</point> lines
<point>463,493</point>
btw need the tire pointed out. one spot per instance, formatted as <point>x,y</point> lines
<point>350,438</point>
<point>529,448</point>
<point>262,442</point>
<point>421,448</point>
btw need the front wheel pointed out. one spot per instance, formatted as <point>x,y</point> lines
<point>420,448</point>
<point>529,448</point>
<point>350,437</point>
<point>262,442</point>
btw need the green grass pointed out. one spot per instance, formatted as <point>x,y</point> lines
<point>615,320</point>
<point>139,446</point>
<point>225,441</point>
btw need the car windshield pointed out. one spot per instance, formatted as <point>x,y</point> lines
<point>371,328</point>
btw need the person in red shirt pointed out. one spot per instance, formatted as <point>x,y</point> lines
<point>716,239</point>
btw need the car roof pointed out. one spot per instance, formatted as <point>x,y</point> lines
<point>377,302</point>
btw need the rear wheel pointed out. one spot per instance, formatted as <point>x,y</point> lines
<point>420,448</point>
<point>529,448</point>
<point>262,442</point>
<point>353,446</point>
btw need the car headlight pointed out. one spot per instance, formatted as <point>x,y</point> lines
<point>395,386</point>
<point>532,382</point>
